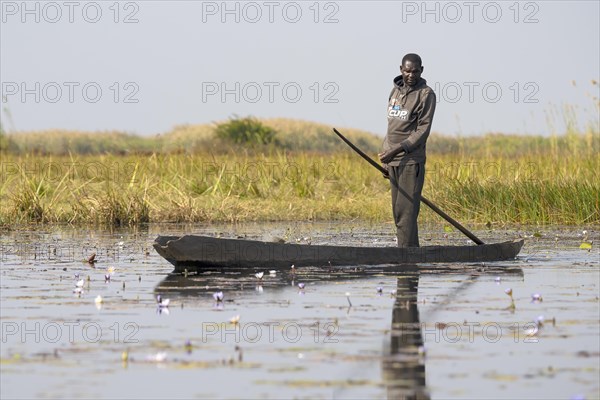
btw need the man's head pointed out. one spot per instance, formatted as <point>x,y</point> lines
<point>411,69</point>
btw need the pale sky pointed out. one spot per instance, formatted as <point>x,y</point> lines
<point>147,66</point>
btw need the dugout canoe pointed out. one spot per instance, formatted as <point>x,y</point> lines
<point>205,252</point>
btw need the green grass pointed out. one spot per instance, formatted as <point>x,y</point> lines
<point>189,175</point>
<point>129,190</point>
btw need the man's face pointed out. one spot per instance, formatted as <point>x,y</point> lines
<point>411,72</point>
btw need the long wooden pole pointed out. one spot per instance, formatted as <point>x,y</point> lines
<point>428,203</point>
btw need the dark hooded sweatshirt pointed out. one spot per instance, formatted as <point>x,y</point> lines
<point>410,114</point>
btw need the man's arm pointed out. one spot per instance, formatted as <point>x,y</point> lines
<point>425,119</point>
<point>387,156</point>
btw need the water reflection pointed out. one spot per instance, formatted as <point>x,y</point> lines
<point>194,285</point>
<point>404,366</point>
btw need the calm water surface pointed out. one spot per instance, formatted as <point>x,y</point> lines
<point>450,333</point>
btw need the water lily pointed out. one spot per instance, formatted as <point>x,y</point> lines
<point>509,292</point>
<point>272,272</point>
<point>78,291</point>
<point>259,275</point>
<point>497,280</point>
<point>188,346</point>
<point>162,303</point>
<point>301,285</point>
<point>158,357</point>
<point>235,319</point>
<point>218,296</point>
<point>532,331</point>
<point>539,320</point>
<point>536,298</point>
<point>538,323</point>
<point>98,301</point>
<point>379,290</point>
<point>107,278</point>
<point>79,283</point>
<point>110,270</point>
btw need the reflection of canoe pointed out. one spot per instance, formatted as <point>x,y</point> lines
<point>203,252</point>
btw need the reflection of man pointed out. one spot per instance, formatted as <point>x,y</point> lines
<point>403,369</point>
<point>410,115</point>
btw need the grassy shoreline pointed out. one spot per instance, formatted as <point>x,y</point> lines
<point>305,174</point>
<point>130,190</point>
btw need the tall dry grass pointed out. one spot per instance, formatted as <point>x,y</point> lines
<point>132,189</point>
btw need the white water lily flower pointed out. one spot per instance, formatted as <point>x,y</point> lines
<point>218,296</point>
<point>162,303</point>
<point>158,357</point>
<point>259,275</point>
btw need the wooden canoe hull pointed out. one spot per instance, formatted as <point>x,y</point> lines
<point>204,252</point>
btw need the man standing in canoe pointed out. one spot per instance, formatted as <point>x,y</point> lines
<point>411,106</point>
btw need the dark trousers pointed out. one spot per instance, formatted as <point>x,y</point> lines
<point>407,184</point>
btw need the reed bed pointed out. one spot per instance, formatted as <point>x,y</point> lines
<point>538,188</point>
